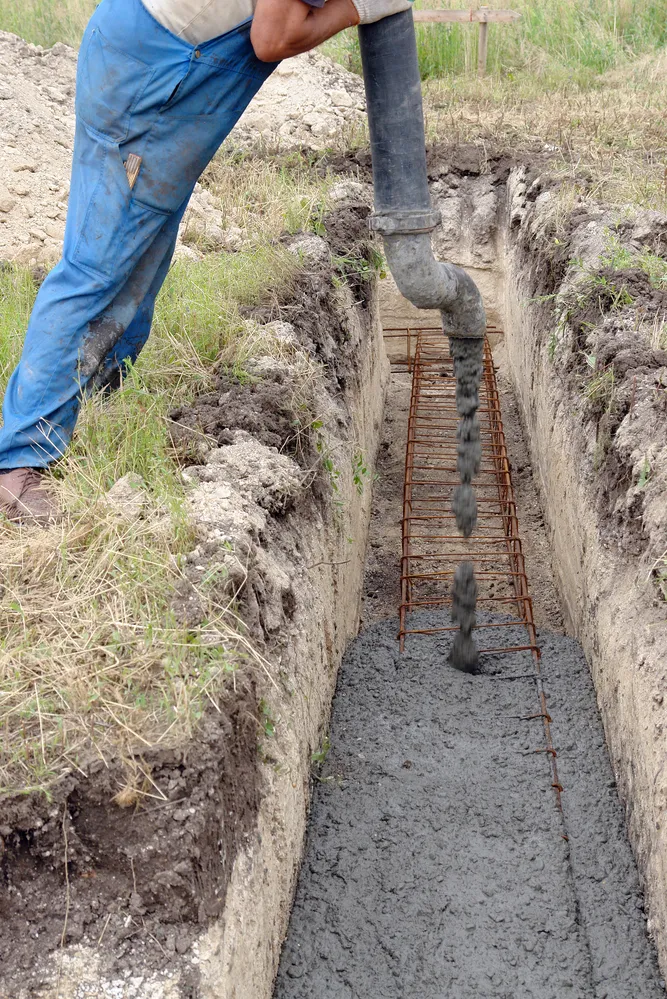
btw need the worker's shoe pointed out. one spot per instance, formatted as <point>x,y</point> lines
<point>25,497</point>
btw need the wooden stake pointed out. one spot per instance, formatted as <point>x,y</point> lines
<point>483,14</point>
<point>483,41</point>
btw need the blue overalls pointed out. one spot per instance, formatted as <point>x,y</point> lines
<point>140,89</point>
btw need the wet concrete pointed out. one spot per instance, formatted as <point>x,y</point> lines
<point>436,864</point>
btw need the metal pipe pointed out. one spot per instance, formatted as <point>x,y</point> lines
<point>403,212</point>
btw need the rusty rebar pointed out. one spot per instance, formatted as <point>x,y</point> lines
<point>431,547</point>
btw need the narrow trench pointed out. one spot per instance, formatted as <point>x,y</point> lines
<point>437,861</point>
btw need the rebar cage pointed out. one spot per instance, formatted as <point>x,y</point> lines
<point>431,545</point>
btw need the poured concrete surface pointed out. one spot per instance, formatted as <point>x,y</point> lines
<point>436,864</point>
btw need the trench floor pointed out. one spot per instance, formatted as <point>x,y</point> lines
<point>437,863</point>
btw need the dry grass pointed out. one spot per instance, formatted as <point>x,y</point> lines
<point>270,196</point>
<point>91,659</point>
<point>609,141</point>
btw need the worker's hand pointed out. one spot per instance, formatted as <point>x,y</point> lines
<point>284,28</point>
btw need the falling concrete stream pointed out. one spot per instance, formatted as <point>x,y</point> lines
<point>438,865</point>
<point>468,355</point>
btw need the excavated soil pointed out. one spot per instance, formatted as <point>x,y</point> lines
<point>437,862</point>
<point>141,880</point>
<point>308,103</point>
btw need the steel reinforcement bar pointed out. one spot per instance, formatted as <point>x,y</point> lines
<point>431,545</point>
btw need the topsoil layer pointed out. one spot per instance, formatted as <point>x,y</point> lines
<point>438,863</point>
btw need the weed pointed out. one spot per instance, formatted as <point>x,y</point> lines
<point>654,266</point>
<point>600,389</point>
<point>610,297</point>
<point>552,346</point>
<point>363,268</point>
<point>645,474</point>
<point>619,257</point>
<point>267,721</point>
<point>360,471</point>
<point>327,462</point>
<point>615,255</point>
<point>319,756</point>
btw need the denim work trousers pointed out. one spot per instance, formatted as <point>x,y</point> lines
<point>140,90</point>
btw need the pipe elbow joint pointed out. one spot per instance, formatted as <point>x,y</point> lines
<point>429,284</point>
<point>465,316</point>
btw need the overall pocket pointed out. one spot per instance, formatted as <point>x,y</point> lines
<point>109,229</point>
<point>109,85</point>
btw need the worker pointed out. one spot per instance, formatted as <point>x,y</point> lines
<point>160,84</point>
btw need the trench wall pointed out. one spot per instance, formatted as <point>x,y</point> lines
<point>608,599</point>
<point>240,954</point>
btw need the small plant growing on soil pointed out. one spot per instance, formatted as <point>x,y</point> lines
<point>600,388</point>
<point>645,474</point>
<point>360,471</point>
<point>267,721</point>
<point>619,257</point>
<point>318,758</point>
<point>364,268</point>
<point>326,458</point>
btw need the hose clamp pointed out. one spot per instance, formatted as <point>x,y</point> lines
<point>404,223</point>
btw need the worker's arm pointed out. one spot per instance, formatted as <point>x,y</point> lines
<point>284,28</point>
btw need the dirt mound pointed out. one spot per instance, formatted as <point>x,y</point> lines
<point>308,102</point>
<point>37,131</point>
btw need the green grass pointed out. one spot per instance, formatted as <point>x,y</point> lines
<point>560,42</point>
<point>556,41</point>
<point>92,657</point>
<point>45,22</point>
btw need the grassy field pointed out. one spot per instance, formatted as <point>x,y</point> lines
<point>556,41</point>
<point>45,22</point>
